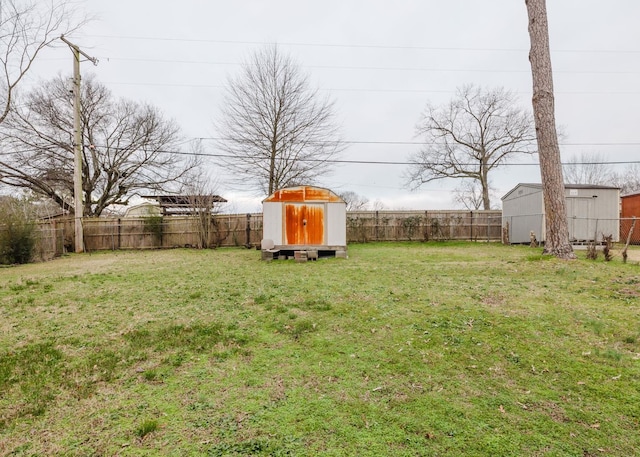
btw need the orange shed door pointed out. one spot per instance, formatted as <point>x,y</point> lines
<point>304,223</point>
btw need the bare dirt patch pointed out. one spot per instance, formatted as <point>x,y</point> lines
<point>633,255</point>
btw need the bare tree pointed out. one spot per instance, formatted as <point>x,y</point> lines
<point>276,131</point>
<point>589,168</point>
<point>26,28</point>
<point>556,224</point>
<point>204,204</point>
<point>378,205</point>
<point>470,195</point>
<point>629,180</point>
<point>354,201</point>
<point>477,132</point>
<point>127,147</point>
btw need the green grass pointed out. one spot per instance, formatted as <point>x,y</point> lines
<point>407,349</point>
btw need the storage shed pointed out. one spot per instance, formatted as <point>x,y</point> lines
<point>305,218</point>
<point>591,211</point>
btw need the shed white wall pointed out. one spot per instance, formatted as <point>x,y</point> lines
<point>593,212</point>
<point>336,224</point>
<point>272,222</point>
<point>522,208</point>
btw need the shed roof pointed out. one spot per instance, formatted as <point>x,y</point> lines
<point>185,204</point>
<point>566,186</point>
<point>303,194</point>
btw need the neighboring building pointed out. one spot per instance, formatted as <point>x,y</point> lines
<point>187,205</point>
<point>630,208</point>
<point>145,209</point>
<point>305,218</point>
<point>592,211</point>
<point>630,205</point>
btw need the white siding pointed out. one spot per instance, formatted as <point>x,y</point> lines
<point>336,221</point>
<point>522,209</point>
<point>272,222</point>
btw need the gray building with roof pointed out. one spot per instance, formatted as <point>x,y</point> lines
<point>592,211</point>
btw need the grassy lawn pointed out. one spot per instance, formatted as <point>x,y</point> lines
<point>408,349</point>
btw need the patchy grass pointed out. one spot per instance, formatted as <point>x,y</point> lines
<point>403,349</point>
<point>148,426</point>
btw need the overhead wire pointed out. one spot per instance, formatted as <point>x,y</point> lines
<point>356,45</point>
<point>598,71</point>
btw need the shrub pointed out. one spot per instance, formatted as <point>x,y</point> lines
<point>154,225</point>
<point>17,231</point>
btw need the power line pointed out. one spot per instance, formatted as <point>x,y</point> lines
<point>372,162</point>
<point>364,90</point>
<point>355,142</point>
<point>422,143</point>
<point>357,46</point>
<point>376,68</point>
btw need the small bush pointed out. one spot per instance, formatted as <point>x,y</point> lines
<point>154,225</point>
<point>17,232</point>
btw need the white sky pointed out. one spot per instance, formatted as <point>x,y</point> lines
<point>381,61</point>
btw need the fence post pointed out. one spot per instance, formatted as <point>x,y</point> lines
<point>489,228</point>
<point>427,231</point>
<point>119,233</point>
<point>55,238</point>
<point>248,231</point>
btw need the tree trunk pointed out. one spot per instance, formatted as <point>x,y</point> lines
<point>556,241</point>
<point>484,175</point>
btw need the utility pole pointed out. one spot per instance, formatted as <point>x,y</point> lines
<point>78,206</point>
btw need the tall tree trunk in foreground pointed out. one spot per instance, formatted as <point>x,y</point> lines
<point>557,231</point>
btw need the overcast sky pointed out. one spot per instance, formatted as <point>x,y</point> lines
<point>381,62</point>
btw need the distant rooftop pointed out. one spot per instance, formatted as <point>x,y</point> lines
<point>181,205</point>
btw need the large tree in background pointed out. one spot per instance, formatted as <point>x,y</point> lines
<point>629,180</point>
<point>127,146</point>
<point>556,225</point>
<point>469,195</point>
<point>276,131</point>
<point>26,28</point>
<point>476,132</point>
<point>354,201</point>
<point>589,168</point>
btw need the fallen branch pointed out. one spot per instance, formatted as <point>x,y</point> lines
<point>626,246</point>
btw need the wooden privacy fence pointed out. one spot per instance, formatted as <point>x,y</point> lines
<point>157,232</point>
<point>57,237</point>
<point>246,229</point>
<point>169,232</point>
<point>50,239</point>
<point>363,226</point>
